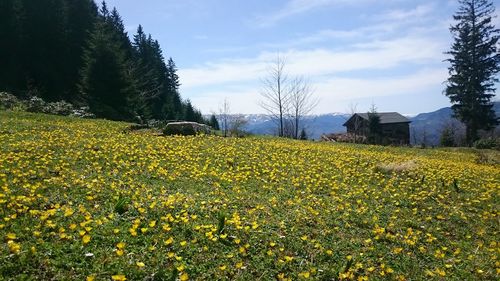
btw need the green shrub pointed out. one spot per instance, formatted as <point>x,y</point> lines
<point>35,104</point>
<point>83,112</point>
<point>488,143</point>
<point>8,101</point>
<point>59,108</point>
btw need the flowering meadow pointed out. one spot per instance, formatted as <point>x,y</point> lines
<point>90,200</point>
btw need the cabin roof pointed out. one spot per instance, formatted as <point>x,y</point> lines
<point>385,118</point>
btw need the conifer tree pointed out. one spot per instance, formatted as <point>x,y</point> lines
<point>374,126</point>
<point>80,16</point>
<point>106,83</point>
<point>214,123</point>
<point>474,64</point>
<point>174,108</point>
<point>189,112</point>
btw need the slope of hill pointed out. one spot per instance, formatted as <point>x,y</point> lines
<point>88,200</point>
<point>432,124</point>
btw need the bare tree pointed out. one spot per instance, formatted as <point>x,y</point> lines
<point>357,122</point>
<point>237,125</point>
<point>224,116</point>
<point>301,101</point>
<point>276,92</point>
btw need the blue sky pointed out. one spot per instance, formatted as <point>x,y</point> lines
<point>353,52</point>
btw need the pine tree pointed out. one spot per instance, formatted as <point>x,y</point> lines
<point>374,126</point>
<point>106,82</point>
<point>42,47</point>
<point>447,137</point>
<point>174,107</point>
<point>189,112</point>
<point>146,80</point>
<point>80,16</point>
<point>474,63</point>
<point>10,31</point>
<point>214,123</point>
<point>303,134</point>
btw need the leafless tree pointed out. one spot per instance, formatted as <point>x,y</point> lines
<point>276,92</point>
<point>301,101</point>
<point>224,116</point>
<point>237,125</point>
<point>357,122</point>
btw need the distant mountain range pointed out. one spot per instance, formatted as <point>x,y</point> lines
<point>429,124</point>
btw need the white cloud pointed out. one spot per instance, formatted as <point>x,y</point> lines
<point>364,66</point>
<point>374,55</point>
<point>338,89</point>
<point>334,93</point>
<point>295,7</point>
<point>418,13</point>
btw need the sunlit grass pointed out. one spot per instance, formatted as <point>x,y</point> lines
<point>87,199</point>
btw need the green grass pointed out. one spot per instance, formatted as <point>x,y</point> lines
<point>212,208</point>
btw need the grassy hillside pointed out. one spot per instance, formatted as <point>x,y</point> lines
<point>83,199</point>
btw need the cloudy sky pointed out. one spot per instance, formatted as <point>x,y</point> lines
<point>353,52</point>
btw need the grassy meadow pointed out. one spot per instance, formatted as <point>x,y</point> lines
<point>89,200</point>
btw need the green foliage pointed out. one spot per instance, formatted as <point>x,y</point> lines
<point>303,134</point>
<point>447,138</point>
<point>474,64</point>
<point>488,143</point>
<point>214,123</point>
<point>374,127</point>
<point>106,83</point>
<point>59,108</point>
<point>8,101</point>
<point>122,205</point>
<point>72,50</point>
<point>298,210</point>
<point>221,223</point>
<point>35,104</point>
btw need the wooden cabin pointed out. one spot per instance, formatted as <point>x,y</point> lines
<point>395,127</point>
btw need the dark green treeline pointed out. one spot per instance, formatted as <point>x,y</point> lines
<point>77,51</point>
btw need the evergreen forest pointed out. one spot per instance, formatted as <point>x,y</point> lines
<point>78,51</point>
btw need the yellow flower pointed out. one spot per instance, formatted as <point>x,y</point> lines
<point>184,276</point>
<point>86,239</point>
<point>14,247</point>
<point>119,277</point>
<point>169,241</point>
<point>140,264</point>
<point>397,250</point>
<point>305,274</point>
<point>90,278</point>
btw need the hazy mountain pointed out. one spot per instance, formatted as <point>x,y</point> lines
<point>315,125</point>
<point>431,123</point>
